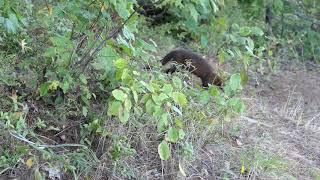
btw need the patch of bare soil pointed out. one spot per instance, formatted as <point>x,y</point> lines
<point>279,135</point>
<point>283,117</point>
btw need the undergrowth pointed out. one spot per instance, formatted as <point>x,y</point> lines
<point>77,103</point>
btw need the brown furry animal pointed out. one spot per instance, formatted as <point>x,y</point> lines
<point>199,66</point>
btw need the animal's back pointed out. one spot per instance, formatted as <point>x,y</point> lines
<point>180,55</point>
<point>199,66</point>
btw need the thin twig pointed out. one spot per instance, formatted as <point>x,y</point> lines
<point>18,136</point>
<point>112,35</point>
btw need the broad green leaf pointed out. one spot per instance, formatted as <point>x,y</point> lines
<point>125,76</point>
<point>83,79</point>
<point>65,86</point>
<point>178,122</point>
<point>162,123</point>
<point>222,56</point>
<point>114,108</point>
<point>187,149</point>
<point>127,105</point>
<point>146,46</point>
<point>167,88</point>
<point>159,99</point>
<point>213,91</point>
<point>127,33</point>
<point>164,150</point>
<point>278,5</point>
<point>237,105</point>
<point>150,106</point>
<point>182,134</point>
<point>148,86</point>
<point>245,31</point>
<point>177,82</point>
<point>135,95</point>
<point>204,97</point>
<point>172,134</point>
<point>84,111</point>
<point>244,76</point>
<point>204,40</point>
<point>119,95</point>
<point>44,88</point>
<point>256,31</point>
<point>250,44</point>
<point>121,8</point>
<point>50,52</point>
<point>235,82</point>
<point>105,58</point>
<point>179,98</point>
<point>124,116</point>
<point>193,12</point>
<point>157,111</point>
<point>120,63</point>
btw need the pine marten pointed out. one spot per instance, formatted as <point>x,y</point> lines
<point>199,66</point>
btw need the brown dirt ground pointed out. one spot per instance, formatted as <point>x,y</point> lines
<point>282,119</point>
<point>285,111</point>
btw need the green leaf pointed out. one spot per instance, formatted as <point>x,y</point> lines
<point>148,86</point>
<point>245,31</point>
<point>164,150</point>
<point>244,76</point>
<point>235,82</point>
<point>121,8</point>
<point>237,105</point>
<point>179,98</point>
<point>159,99</point>
<point>213,91</point>
<point>120,63</point>
<point>83,79</point>
<point>50,52</point>
<point>127,105</point>
<point>256,31</point>
<point>127,33</point>
<point>157,111</point>
<point>204,97</point>
<point>105,59</point>
<point>125,76</point>
<point>182,134</point>
<point>114,108</point>
<point>124,116</point>
<point>167,88</point>
<point>84,111</point>
<point>146,46</point>
<point>278,5</point>
<point>135,95</point>
<point>162,123</point>
<point>250,44</point>
<point>119,95</point>
<point>44,88</point>
<point>150,106</point>
<point>177,82</point>
<point>65,86</point>
<point>204,40</point>
<point>178,122</point>
<point>173,134</point>
<point>193,12</point>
